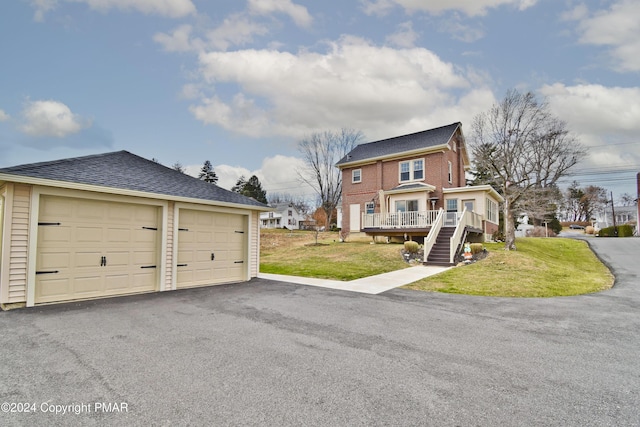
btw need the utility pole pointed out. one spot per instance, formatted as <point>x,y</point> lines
<point>613,212</point>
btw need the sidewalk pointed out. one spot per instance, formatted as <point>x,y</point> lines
<point>367,285</point>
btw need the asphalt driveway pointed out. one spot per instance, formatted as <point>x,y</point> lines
<point>271,353</point>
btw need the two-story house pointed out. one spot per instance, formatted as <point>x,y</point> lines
<point>412,186</point>
<point>284,215</point>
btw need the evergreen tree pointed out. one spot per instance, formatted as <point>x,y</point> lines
<point>207,174</point>
<point>251,188</point>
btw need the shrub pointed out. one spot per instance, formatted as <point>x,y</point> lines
<point>555,225</point>
<point>589,229</point>
<point>540,232</point>
<point>411,247</point>
<point>476,248</point>
<point>497,236</point>
<point>625,230</point>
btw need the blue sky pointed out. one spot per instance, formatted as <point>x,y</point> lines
<point>240,82</point>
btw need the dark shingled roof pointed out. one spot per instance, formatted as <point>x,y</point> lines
<point>401,144</point>
<point>124,170</point>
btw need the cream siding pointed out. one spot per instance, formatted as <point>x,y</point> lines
<point>19,244</point>
<point>170,230</point>
<point>254,244</point>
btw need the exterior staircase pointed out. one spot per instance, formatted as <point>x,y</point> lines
<point>440,253</point>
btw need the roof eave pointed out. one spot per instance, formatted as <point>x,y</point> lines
<point>21,179</point>
<point>486,188</point>
<point>395,156</point>
<point>425,187</point>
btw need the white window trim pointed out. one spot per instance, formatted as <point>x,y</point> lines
<point>353,176</point>
<point>411,170</point>
<point>367,205</point>
<point>450,172</point>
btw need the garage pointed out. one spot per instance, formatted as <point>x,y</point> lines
<point>212,248</point>
<point>116,224</point>
<point>92,248</point>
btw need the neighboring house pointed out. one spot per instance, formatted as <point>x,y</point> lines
<point>623,215</point>
<point>412,186</point>
<point>116,224</point>
<point>284,215</point>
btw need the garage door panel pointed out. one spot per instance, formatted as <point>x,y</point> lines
<point>145,258</point>
<point>88,211</point>
<point>115,259</point>
<point>118,235</point>
<point>55,208</point>
<point>145,236</point>
<point>94,235</point>
<point>204,237</point>
<point>52,260</point>
<point>51,288</point>
<point>92,232</point>
<point>214,233</point>
<point>55,234</point>
<point>117,283</point>
<point>91,284</point>
<point>85,259</point>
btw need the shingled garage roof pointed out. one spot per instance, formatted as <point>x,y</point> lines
<point>124,170</point>
<point>400,144</point>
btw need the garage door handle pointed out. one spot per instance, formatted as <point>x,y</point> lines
<point>47,272</point>
<point>213,256</point>
<point>103,261</point>
<point>147,266</point>
<point>238,262</point>
<point>182,265</point>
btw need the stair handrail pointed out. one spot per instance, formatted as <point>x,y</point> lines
<point>456,238</point>
<point>430,240</point>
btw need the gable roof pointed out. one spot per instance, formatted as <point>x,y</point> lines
<point>400,144</point>
<point>127,171</point>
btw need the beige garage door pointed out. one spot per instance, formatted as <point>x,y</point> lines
<point>89,248</point>
<point>211,248</point>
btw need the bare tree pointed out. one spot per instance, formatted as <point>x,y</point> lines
<point>320,152</point>
<point>626,199</point>
<point>178,167</point>
<point>526,148</point>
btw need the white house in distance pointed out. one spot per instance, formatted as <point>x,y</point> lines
<point>284,215</point>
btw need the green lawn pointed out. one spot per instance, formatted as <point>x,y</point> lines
<point>539,268</point>
<point>295,254</point>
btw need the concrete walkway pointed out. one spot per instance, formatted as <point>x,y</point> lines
<point>367,285</point>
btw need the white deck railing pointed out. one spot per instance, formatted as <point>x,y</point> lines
<point>430,240</point>
<point>400,220</point>
<point>466,219</point>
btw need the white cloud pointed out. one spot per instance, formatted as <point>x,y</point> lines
<point>235,30</point>
<point>468,7</point>
<point>405,36</point>
<point>4,116</point>
<point>41,8</point>
<point>595,108</point>
<point>606,119</point>
<point>277,174</point>
<point>51,119</point>
<point>179,40</point>
<point>461,31</point>
<point>380,90</point>
<point>299,14</point>
<point>617,28</point>
<point>168,8</point>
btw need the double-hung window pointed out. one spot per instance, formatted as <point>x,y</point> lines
<point>356,176</point>
<point>412,170</point>
<point>369,207</point>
